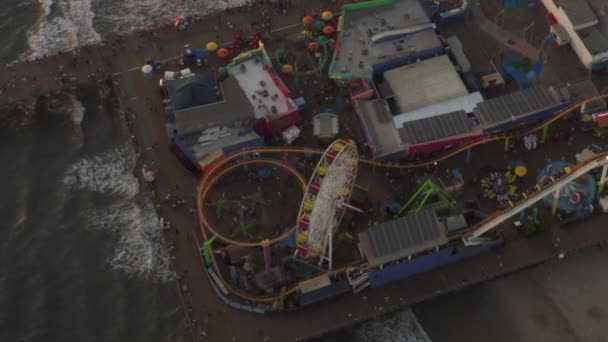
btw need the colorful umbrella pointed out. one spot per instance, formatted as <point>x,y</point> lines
<point>223,52</point>
<point>319,24</point>
<point>322,39</point>
<point>313,46</point>
<point>329,29</point>
<point>211,46</point>
<point>287,68</point>
<point>327,15</point>
<point>307,20</point>
<point>521,171</point>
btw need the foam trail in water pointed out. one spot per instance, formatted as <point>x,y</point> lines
<point>402,327</point>
<point>47,6</point>
<point>109,172</point>
<point>126,16</point>
<point>78,111</point>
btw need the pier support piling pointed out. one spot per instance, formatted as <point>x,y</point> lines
<point>603,179</point>
<point>267,261</point>
<point>555,201</point>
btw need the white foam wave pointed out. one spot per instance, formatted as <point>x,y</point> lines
<point>402,327</point>
<point>78,111</point>
<point>125,16</point>
<point>47,6</point>
<point>68,26</point>
<point>140,250</point>
<point>109,172</point>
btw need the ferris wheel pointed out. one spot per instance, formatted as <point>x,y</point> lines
<point>325,200</point>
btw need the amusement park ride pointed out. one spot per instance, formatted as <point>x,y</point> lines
<point>326,197</point>
<point>325,200</point>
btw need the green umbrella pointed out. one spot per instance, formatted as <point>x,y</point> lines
<point>322,39</point>
<point>319,25</point>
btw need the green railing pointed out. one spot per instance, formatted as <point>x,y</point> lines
<point>367,4</point>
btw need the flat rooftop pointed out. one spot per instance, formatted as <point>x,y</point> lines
<point>594,37</point>
<point>398,239</point>
<point>193,91</point>
<point>261,90</point>
<point>378,34</point>
<point>511,106</point>
<point>325,125</point>
<point>232,107</point>
<point>378,124</point>
<point>436,128</point>
<point>423,83</point>
<point>466,103</point>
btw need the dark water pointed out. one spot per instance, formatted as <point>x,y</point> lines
<point>81,258</point>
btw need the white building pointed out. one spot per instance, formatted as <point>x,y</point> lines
<point>584,25</point>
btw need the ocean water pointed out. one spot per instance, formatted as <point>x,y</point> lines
<point>81,258</point>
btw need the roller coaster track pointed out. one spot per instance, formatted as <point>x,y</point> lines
<point>264,161</point>
<point>557,183</point>
<point>210,178</point>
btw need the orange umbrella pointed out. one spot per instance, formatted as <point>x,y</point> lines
<point>329,29</point>
<point>223,52</point>
<point>308,20</point>
<point>313,46</point>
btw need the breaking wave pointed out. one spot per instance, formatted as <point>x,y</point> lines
<point>131,219</point>
<point>126,16</point>
<point>47,6</point>
<point>140,249</point>
<point>109,172</point>
<point>64,25</point>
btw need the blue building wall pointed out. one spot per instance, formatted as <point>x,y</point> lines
<point>541,115</point>
<point>186,150</point>
<point>380,68</point>
<point>255,142</point>
<point>425,263</point>
<point>394,156</point>
<point>599,66</point>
